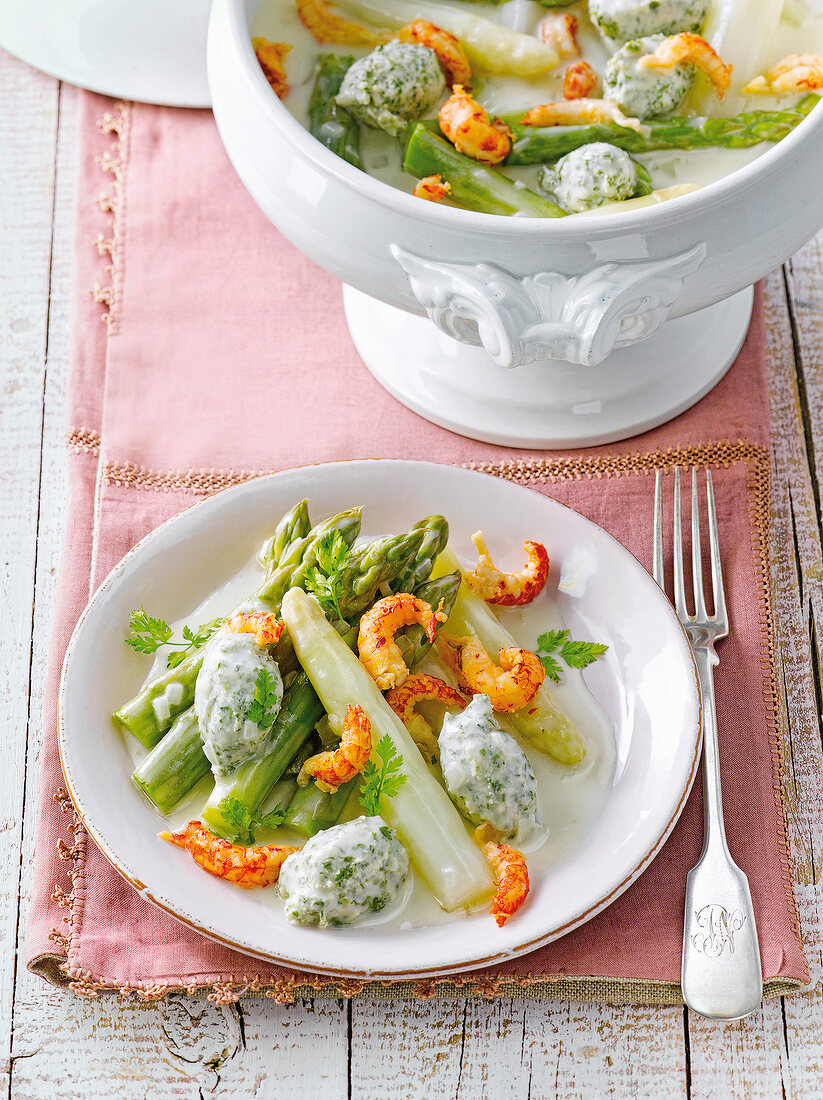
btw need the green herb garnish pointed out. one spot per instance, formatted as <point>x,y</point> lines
<point>324,580</point>
<point>264,706</point>
<point>148,634</point>
<point>244,823</point>
<point>575,654</point>
<point>383,779</point>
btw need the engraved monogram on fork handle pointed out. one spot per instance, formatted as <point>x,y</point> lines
<point>721,973</point>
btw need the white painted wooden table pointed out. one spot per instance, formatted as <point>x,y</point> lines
<point>56,1044</point>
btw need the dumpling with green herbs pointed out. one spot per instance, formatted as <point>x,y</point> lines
<point>486,772</point>
<point>591,175</point>
<point>640,92</point>
<point>344,873</point>
<point>620,20</point>
<point>236,699</point>
<point>392,85</point>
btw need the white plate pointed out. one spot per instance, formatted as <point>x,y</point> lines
<point>646,684</point>
<point>149,50</point>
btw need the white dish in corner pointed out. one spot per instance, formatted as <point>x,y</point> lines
<point>153,51</point>
<point>646,684</point>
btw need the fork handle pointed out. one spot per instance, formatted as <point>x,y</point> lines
<point>721,972</point>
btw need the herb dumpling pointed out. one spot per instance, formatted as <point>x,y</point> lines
<point>486,772</point>
<point>343,873</point>
<point>223,698</point>
<point>392,85</point>
<point>620,20</point>
<point>589,176</point>
<point>641,92</point>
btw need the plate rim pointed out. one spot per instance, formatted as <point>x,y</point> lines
<point>394,974</point>
<point>22,37</point>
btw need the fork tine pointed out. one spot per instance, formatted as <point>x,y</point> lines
<point>677,552</point>
<point>718,594</point>
<point>697,558</point>
<point>657,564</point>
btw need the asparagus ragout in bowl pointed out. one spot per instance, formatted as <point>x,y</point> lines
<point>540,108</point>
<point>365,711</point>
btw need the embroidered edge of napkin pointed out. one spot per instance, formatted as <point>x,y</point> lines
<point>57,967</point>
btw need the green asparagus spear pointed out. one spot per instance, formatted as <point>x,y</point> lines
<point>302,556</point>
<point>175,765</point>
<point>251,782</point>
<point>330,123</point>
<point>152,712</point>
<point>644,181</point>
<point>311,809</point>
<point>310,747</point>
<point>375,563</point>
<point>435,536</point>
<point>473,185</point>
<point>541,144</point>
<point>294,525</point>
<point>439,594</point>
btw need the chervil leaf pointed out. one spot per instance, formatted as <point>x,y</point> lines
<point>204,632</point>
<point>324,580</point>
<point>392,784</point>
<point>148,634</point>
<point>551,640</point>
<point>238,816</point>
<point>263,707</point>
<point>273,818</point>
<point>386,779</point>
<point>575,654</point>
<point>580,654</point>
<point>386,831</point>
<point>551,665</point>
<point>332,551</point>
<point>243,823</point>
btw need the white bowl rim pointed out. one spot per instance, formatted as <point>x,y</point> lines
<point>405,204</point>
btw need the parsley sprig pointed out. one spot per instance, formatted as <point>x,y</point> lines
<point>324,580</point>
<point>385,778</point>
<point>149,633</point>
<point>558,643</point>
<point>244,823</point>
<point>265,704</point>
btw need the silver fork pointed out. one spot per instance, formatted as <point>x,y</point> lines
<point>721,975</point>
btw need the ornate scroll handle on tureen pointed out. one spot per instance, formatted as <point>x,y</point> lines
<point>579,318</point>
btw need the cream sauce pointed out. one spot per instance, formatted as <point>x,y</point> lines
<point>799,29</point>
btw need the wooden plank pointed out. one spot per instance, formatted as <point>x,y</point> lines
<point>797,439</point>
<point>581,1051</point>
<point>28,121</point>
<point>180,1048</point>
<point>406,1048</point>
<point>739,1058</point>
<point>290,1052</point>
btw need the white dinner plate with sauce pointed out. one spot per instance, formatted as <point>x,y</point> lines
<point>153,51</point>
<point>608,818</point>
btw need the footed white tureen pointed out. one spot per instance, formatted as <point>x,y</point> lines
<point>535,333</point>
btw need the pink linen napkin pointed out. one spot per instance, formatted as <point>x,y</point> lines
<point>210,351</point>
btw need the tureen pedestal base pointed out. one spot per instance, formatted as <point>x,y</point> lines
<point>548,404</point>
